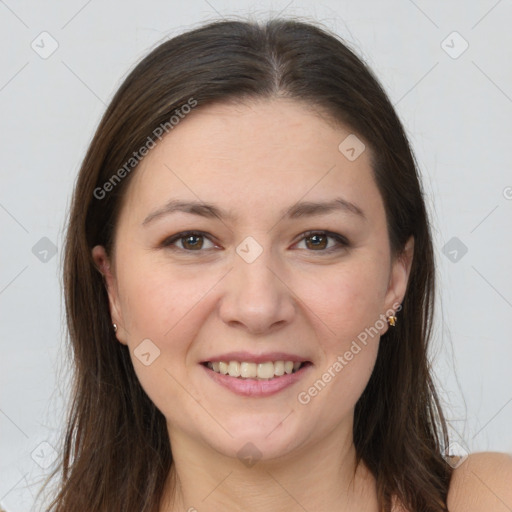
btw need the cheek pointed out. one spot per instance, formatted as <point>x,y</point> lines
<point>333,394</point>
<point>349,307</point>
<point>348,303</point>
<point>347,299</point>
<point>158,300</point>
<point>164,306</point>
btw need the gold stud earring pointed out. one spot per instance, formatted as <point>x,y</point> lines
<point>392,320</point>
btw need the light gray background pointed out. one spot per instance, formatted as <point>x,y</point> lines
<point>457,114</point>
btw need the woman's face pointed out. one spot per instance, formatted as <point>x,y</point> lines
<point>252,288</point>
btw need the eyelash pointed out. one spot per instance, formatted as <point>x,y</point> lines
<point>342,242</point>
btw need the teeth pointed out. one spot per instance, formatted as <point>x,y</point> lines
<point>265,370</point>
<point>223,367</point>
<point>234,369</point>
<point>279,368</point>
<point>248,370</point>
<point>245,370</point>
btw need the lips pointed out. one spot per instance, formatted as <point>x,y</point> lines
<point>256,374</point>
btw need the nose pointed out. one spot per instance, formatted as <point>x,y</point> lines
<point>256,296</point>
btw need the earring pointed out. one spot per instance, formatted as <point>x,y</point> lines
<point>392,320</point>
<point>115,327</point>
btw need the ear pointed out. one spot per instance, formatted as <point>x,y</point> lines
<point>398,279</point>
<point>103,264</point>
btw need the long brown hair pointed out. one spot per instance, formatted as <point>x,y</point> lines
<point>116,454</point>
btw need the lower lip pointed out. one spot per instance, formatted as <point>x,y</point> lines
<point>255,387</point>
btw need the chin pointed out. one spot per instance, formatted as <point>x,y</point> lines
<point>261,441</point>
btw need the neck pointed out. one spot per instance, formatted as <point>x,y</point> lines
<point>322,476</point>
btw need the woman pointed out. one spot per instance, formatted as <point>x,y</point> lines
<point>249,282</point>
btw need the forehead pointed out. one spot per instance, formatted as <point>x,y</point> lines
<point>254,156</point>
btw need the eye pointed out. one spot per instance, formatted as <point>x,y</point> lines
<point>318,241</point>
<point>191,241</point>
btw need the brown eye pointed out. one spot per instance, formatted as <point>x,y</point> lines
<point>316,241</point>
<point>192,242</point>
<point>188,241</point>
<point>319,241</point>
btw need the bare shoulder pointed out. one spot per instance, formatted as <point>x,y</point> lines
<point>482,483</point>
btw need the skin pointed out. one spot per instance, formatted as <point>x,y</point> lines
<point>290,298</point>
<point>255,159</point>
<point>483,482</point>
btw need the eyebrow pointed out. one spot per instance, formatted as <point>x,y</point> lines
<point>298,210</point>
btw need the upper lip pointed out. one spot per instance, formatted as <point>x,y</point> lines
<point>242,356</point>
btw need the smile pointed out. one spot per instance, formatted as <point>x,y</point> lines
<point>260,371</point>
<point>256,379</point>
